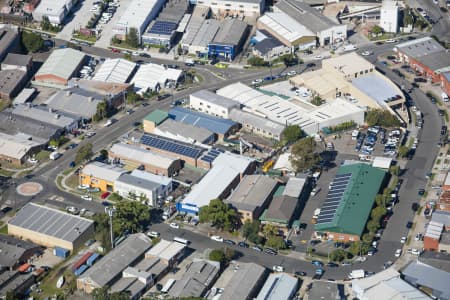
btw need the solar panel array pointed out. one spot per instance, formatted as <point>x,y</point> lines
<point>171,146</point>
<point>334,198</point>
<point>163,27</point>
<point>212,155</point>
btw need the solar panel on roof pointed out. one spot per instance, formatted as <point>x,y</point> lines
<point>163,27</point>
<point>170,146</point>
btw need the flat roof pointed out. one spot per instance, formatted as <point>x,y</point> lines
<point>376,88</point>
<point>17,60</point>
<point>103,171</point>
<point>191,132</point>
<point>115,70</point>
<point>166,250</point>
<point>148,76</point>
<point>160,179</point>
<point>75,101</point>
<point>280,210</point>
<point>13,250</point>
<point>51,7</point>
<point>171,145</point>
<point>285,26</point>
<point>294,187</point>
<point>142,155</point>
<point>99,87</point>
<point>24,95</point>
<point>8,34</point>
<point>10,79</point>
<point>438,62</point>
<point>214,124</point>
<point>26,128</point>
<point>434,230</point>
<point>214,98</point>
<point>245,278</point>
<point>420,47</point>
<point>62,63</point>
<point>252,192</point>
<point>130,180</point>
<point>198,20</point>
<point>350,199</point>
<point>157,116</point>
<point>231,32</point>
<point>348,64</point>
<point>136,14</point>
<point>41,114</point>
<point>279,286</point>
<point>51,222</point>
<point>441,216</point>
<point>324,290</point>
<point>15,146</point>
<point>256,121</point>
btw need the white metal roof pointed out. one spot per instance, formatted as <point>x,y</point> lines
<point>294,187</point>
<point>115,70</point>
<point>61,63</point>
<point>137,13</point>
<point>24,95</point>
<point>45,116</point>
<point>160,179</point>
<point>165,250</point>
<point>382,162</point>
<point>283,163</point>
<point>15,146</point>
<point>285,26</point>
<point>149,75</point>
<point>51,7</point>
<point>103,171</point>
<point>279,286</point>
<point>136,153</point>
<point>434,230</point>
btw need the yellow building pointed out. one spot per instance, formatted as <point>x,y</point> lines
<point>100,175</point>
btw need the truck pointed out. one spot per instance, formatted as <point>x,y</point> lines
<point>55,155</point>
<point>357,274</point>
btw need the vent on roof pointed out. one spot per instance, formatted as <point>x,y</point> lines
<point>57,116</point>
<point>68,93</point>
<point>90,99</point>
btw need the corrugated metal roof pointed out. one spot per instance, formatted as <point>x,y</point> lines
<point>214,98</point>
<point>160,179</point>
<point>190,132</point>
<point>157,116</point>
<point>420,274</point>
<point>265,125</point>
<point>279,286</point>
<point>231,32</point>
<point>285,26</point>
<point>144,156</point>
<point>15,146</point>
<point>243,281</point>
<point>166,250</point>
<point>45,116</point>
<point>294,187</point>
<point>103,171</point>
<point>115,70</point>
<point>62,63</point>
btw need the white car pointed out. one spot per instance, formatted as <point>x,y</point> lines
<point>83,187</point>
<point>278,268</point>
<point>257,81</point>
<point>391,41</point>
<point>90,134</point>
<point>217,238</point>
<point>398,252</point>
<point>415,251</point>
<point>108,123</point>
<point>153,234</point>
<point>366,53</point>
<point>319,57</point>
<point>135,53</point>
<point>292,73</point>
<point>73,210</point>
<point>33,160</point>
<point>86,197</point>
<point>403,240</point>
<point>174,225</point>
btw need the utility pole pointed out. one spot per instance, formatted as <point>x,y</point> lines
<point>110,212</point>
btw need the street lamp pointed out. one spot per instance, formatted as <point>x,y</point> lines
<point>110,211</point>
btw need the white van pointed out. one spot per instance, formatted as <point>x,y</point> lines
<point>357,274</point>
<point>444,97</point>
<point>55,155</point>
<point>355,134</point>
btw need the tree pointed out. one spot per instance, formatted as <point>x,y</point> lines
<point>31,41</point>
<point>403,151</point>
<point>378,212</point>
<point>395,170</point>
<point>100,293</point>
<point>381,117</point>
<point>368,237</point>
<point>276,242</point>
<point>102,111</point>
<point>377,30</point>
<point>104,154</point>
<point>291,133</point>
<point>132,216</point>
<point>132,38</point>
<point>317,101</point>
<point>373,225</point>
<point>289,60</point>
<point>84,153</point>
<point>338,255</point>
<point>217,255</point>
<point>219,214</point>
<point>356,247</point>
<point>408,19</point>
<point>45,24</point>
<point>270,230</point>
<point>11,295</point>
<point>257,61</point>
<point>304,155</point>
<point>132,98</point>
<point>250,228</point>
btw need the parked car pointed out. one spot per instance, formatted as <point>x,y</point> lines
<point>229,242</point>
<point>299,273</point>
<point>398,252</point>
<point>257,248</point>
<point>278,268</point>
<point>217,238</point>
<point>174,225</point>
<point>105,195</point>
<point>243,244</point>
<point>403,240</point>
<point>86,197</point>
<point>317,263</point>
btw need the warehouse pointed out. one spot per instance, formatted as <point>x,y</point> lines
<point>170,252</point>
<point>50,227</point>
<point>287,30</point>
<point>154,119</point>
<point>108,269</point>
<point>9,39</point>
<point>426,56</point>
<point>279,286</point>
<point>226,173</point>
<point>223,8</point>
<point>153,77</point>
<point>212,104</point>
<point>11,83</point>
<point>172,148</point>
<point>309,117</point>
<point>327,31</point>
<point>256,124</point>
<point>60,66</point>
<point>15,149</point>
<point>15,61</point>
<point>54,10</point>
<point>186,133</point>
<point>16,252</point>
<point>268,47</point>
<point>115,70</point>
<point>221,127</point>
<point>100,175</point>
<point>340,219</point>
<point>38,113</point>
<point>245,282</point>
<point>136,156</point>
<point>138,15</point>
<point>252,196</point>
<point>229,40</point>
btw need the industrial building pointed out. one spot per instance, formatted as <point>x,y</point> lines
<point>16,149</point>
<point>309,117</point>
<point>432,236</point>
<point>268,47</point>
<point>163,29</point>
<point>186,152</point>
<point>229,40</point>
<point>199,32</point>
<point>279,286</point>
<point>252,196</point>
<point>426,56</point>
<point>109,269</point>
<point>153,77</point>
<point>184,132</point>
<point>12,82</point>
<point>227,171</point>
<point>168,251</point>
<point>9,39</point>
<point>220,126</point>
<point>16,252</point>
<point>117,70</point>
<point>48,116</point>
<point>54,10</point>
<point>389,16</point>
<point>198,278</point>
<point>50,227</point>
<point>154,119</point>
<point>257,125</point>
<point>152,162</point>
<point>246,281</point>
<point>212,104</point>
<point>223,8</point>
<point>326,30</point>
<point>138,15</point>
<point>324,290</point>
<point>340,219</point>
<point>60,66</point>
<point>100,175</point>
<point>112,91</point>
<point>15,61</point>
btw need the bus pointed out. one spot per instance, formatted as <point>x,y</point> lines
<point>180,240</point>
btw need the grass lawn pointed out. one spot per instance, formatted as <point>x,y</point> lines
<point>24,173</point>
<point>72,181</point>
<point>43,155</point>
<point>6,173</point>
<point>48,284</point>
<point>67,172</point>
<point>4,229</point>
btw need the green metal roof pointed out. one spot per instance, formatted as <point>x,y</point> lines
<point>357,200</point>
<point>157,116</point>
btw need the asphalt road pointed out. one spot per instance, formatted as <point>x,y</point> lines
<point>442,25</point>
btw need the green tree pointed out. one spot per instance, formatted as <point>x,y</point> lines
<point>132,98</point>
<point>289,60</point>
<point>104,154</point>
<point>102,111</point>
<point>338,255</point>
<point>11,295</point>
<point>356,247</point>
<point>368,237</point>
<point>217,255</point>
<point>250,228</point>
<point>270,230</point>
<point>373,225</point>
<point>304,155</point>
<point>219,214</point>
<point>408,19</point>
<point>119,296</point>
<point>131,215</point>
<point>84,153</point>
<point>132,38</point>
<point>378,212</point>
<point>31,41</point>
<point>403,151</point>
<point>317,101</point>
<point>291,133</point>
<point>257,61</point>
<point>381,117</point>
<point>276,242</point>
<point>394,170</point>
<point>100,293</point>
<point>377,29</point>
<point>45,24</point>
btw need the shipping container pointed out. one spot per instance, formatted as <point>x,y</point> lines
<point>61,252</point>
<point>80,270</point>
<point>91,260</point>
<point>81,261</point>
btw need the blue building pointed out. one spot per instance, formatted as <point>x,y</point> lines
<point>229,40</point>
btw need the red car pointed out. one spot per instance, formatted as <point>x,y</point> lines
<point>105,195</point>
<point>115,50</point>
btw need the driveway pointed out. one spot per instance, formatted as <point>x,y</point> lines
<point>78,19</point>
